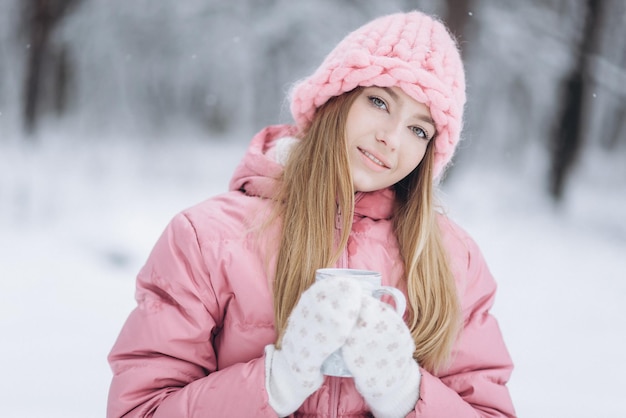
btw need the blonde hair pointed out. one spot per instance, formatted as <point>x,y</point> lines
<point>309,208</point>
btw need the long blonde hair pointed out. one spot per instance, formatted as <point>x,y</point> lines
<point>317,187</point>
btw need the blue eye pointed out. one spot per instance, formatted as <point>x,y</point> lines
<point>419,132</point>
<point>377,102</point>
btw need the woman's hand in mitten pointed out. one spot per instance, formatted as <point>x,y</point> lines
<point>319,324</point>
<point>379,354</point>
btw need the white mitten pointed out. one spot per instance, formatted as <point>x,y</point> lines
<point>379,354</point>
<point>319,324</point>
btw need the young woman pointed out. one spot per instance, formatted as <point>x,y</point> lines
<point>230,321</point>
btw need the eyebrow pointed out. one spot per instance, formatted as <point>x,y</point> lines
<point>417,115</point>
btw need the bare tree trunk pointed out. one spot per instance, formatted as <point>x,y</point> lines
<point>41,17</point>
<point>457,18</point>
<point>566,141</point>
<point>609,76</point>
<point>39,24</point>
<point>568,136</point>
<point>62,78</point>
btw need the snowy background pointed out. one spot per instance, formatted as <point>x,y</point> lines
<point>83,201</point>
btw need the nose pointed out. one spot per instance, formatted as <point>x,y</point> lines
<point>389,135</point>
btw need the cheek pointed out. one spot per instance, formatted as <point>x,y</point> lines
<point>352,130</point>
<point>413,155</point>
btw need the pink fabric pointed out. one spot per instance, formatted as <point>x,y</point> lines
<point>408,50</point>
<point>193,347</point>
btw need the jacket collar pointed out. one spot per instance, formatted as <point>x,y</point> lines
<point>258,174</point>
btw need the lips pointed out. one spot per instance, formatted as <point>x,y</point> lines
<point>373,158</point>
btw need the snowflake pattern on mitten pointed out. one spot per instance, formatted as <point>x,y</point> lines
<point>379,354</point>
<point>320,324</point>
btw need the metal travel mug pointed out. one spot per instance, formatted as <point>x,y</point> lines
<point>371,284</point>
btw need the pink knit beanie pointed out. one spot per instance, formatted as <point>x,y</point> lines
<point>412,51</point>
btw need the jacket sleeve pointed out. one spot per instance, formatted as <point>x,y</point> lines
<point>475,383</point>
<point>163,362</point>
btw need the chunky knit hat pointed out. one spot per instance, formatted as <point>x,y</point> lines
<point>408,50</point>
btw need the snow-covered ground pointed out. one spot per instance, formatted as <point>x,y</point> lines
<point>79,216</point>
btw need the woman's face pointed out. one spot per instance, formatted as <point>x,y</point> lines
<point>387,132</point>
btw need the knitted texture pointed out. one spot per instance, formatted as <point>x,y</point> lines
<point>411,51</point>
<point>379,354</point>
<point>319,324</point>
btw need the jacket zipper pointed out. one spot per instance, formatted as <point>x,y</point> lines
<point>334,396</point>
<point>342,262</point>
<point>334,382</point>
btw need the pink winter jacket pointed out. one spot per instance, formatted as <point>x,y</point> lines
<point>194,346</point>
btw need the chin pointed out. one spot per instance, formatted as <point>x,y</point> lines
<point>367,184</point>
<point>366,189</point>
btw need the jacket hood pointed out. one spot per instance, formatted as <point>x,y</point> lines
<point>259,172</point>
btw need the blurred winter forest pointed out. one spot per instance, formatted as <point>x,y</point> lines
<point>546,78</point>
<point>117,114</point>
